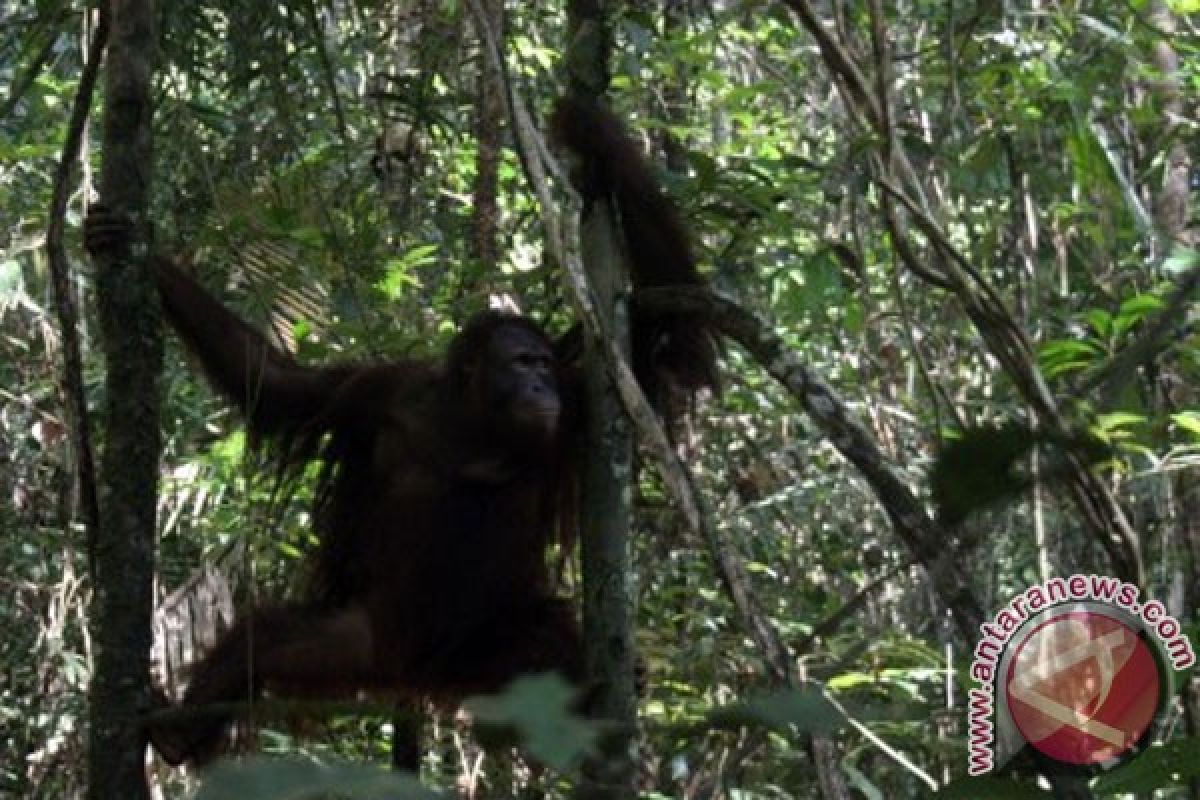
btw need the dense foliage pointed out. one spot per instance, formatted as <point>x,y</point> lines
<point>1041,150</point>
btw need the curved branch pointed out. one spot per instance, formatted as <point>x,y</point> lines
<point>981,302</point>
<point>917,529</point>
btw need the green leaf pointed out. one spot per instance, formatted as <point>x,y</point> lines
<point>1135,309</point>
<point>861,782</point>
<point>1119,420</point>
<point>301,330</point>
<point>308,235</point>
<point>1189,421</point>
<point>539,708</point>
<point>1100,320</point>
<point>1141,304</point>
<point>398,272</point>
<point>288,779</point>
<point>806,709</point>
<point>230,450</point>
<point>289,550</point>
<point>1182,259</point>
<point>1061,356</point>
<point>856,316</point>
<point>1169,764</point>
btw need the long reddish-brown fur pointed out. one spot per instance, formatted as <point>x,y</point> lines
<point>679,349</point>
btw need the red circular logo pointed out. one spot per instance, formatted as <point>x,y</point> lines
<point>1083,687</point>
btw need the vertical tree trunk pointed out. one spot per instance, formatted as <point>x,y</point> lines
<point>131,336</point>
<point>608,477</point>
<point>607,513</point>
<point>408,723</point>
<point>1172,210</point>
<point>489,117</point>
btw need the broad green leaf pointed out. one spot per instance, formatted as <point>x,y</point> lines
<point>807,709</point>
<point>1100,320</point>
<point>1061,356</point>
<point>1189,421</point>
<point>539,708</point>
<point>1119,420</point>
<point>292,779</point>
<point>1135,309</point>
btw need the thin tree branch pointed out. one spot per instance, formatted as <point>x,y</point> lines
<point>64,298</point>
<point>327,71</point>
<point>21,85</point>
<point>924,538</point>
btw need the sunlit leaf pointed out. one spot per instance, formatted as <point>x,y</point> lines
<point>1189,421</point>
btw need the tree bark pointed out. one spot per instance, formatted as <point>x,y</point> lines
<point>489,118</point>
<point>1172,210</point>
<point>132,343</point>
<point>84,497</point>
<point>607,511</point>
<point>607,517</point>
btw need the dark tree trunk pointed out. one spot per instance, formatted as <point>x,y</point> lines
<point>131,335</point>
<point>607,514</point>
<point>606,505</point>
<point>408,723</point>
